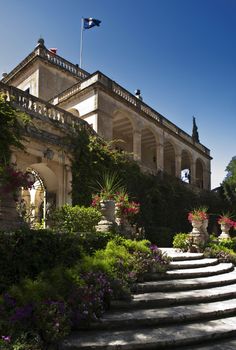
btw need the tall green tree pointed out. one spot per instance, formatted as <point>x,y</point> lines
<point>228,186</point>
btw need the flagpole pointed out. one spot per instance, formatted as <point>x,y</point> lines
<point>81,42</point>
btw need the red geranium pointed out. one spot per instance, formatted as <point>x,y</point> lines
<point>198,215</point>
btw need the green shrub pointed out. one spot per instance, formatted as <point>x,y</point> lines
<point>229,243</point>
<point>26,253</point>
<point>93,241</point>
<point>222,253</point>
<point>181,241</point>
<point>75,219</point>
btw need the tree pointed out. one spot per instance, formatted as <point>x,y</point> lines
<point>228,186</point>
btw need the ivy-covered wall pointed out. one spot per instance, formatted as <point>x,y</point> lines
<point>164,200</point>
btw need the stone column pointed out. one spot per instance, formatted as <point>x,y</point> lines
<point>160,157</point>
<point>137,144</point>
<point>193,172</point>
<point>68,184</point>
<point>206,179</point>
<point>178,164</point>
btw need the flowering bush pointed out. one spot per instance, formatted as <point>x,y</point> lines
<point>11,179</point>
<point>47,320</point>
<point>198,215</point>
<point>88,302</point>
<point>226,220</point>
<point>52,320</point>
<point>151,261</point>
<point>124,207</point>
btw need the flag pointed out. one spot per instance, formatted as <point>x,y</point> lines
<point>91,22</point>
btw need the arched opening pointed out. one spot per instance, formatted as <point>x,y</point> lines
<point>169,158</point>
<point>32,203</point>
<point>122,132</point>
<point>148,149</point>
<point>199,173</point>
<point>35,204</point>
<point>185,167</point>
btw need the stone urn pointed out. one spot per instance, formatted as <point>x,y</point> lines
<point>107,209</point>
<point>198,235</point>
<point>224,231</point>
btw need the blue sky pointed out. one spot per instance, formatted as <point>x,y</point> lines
<point>180,53</point>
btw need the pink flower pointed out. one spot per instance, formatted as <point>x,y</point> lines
<point>226,220</point>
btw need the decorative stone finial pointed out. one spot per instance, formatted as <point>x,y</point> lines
<point>41,41</point>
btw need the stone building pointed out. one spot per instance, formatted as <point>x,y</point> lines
<point>56,91</point>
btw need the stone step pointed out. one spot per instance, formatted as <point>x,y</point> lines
<point>162,299</point>
<point>168,337</point>
<point>191,273</point>
<point>157,317</point>
<point>186,284</point>
<point>197,263</point>
<point>179,256</point>
<point>219,344</point>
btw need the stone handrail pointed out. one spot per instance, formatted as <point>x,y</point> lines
<point>130,99</point>
<point>61,62</point>
<point>39,108</point>
<point>43,52</point>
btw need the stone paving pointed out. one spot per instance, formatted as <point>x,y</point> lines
<point>193,307</point>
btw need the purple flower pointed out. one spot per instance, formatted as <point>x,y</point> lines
<point>22,313</point>
<point>6,338</point>
<point>153,247</point>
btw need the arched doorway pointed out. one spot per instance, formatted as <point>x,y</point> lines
<point>32,203</point>
<point>36,204</point>
<point>169,158</point>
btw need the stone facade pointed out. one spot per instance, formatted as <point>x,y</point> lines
<point>56,93</point>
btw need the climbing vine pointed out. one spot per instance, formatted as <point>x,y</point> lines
<point>164,200</point>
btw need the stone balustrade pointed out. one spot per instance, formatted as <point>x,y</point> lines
<point>124,94</point>
<point>39,108</point>
<point>61,62</point>
<point>44,53</point>
<point>132,100</point>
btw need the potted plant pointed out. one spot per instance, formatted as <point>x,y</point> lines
<point>199,220</point>
<point>104,199</point>
<point>125,209</point>
<point>226,223</point>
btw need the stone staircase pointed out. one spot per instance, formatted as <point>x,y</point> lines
<point>192,306</point>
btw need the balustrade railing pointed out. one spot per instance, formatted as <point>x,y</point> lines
<point>61,62</point>
<point>39,108</point>
<point>43,52</point>
<point>132,100</point>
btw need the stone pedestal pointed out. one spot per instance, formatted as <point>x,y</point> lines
<point>199,234</point>
<point>107,208</point>
<point>9,218</point>
<point>224,231</point>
